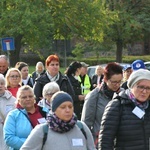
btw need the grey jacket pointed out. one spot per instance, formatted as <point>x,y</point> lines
<point>93,109</point>
<point>71,140</point>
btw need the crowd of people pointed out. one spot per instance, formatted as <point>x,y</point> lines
<point>109,111</point>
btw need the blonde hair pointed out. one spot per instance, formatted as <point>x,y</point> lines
<point>8,74</point>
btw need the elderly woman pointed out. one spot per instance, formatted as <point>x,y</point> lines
<point>39,69</point>
<point>63,132</point>
<point>97,99</point>
<point>48,91</point>
<point>20,121</point>
<point>98,77</point>
<point>7,103</point>
<point>13,80</point>
<point>127,118</point>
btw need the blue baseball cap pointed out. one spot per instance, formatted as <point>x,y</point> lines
<point>138,64</point>
<point>127,67</point>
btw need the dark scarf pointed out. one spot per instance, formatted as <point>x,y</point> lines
<point>109,93</point>
<point>59,125</point>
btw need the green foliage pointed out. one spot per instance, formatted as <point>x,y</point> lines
<point>78,51</point>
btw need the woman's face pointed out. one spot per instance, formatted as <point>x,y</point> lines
<point>114,82</point>
<point>65,111</point>
<point>78,72</point>
<point>49,95</point>
<point>141,90</point>
<point>53,68</point>
<point>2,87</point>
<point>27,99</point>
<point>25,72</point>
<point>14,79</point>
<point>100,71</point>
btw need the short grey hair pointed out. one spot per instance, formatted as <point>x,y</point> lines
<point>39,64</point>
<point>4,57</point>
<point>51,87</point>
<point>2,79</point>
<point>24,88</point>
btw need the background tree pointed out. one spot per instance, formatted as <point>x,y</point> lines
<point>29,22</point>
<point>128,28</point>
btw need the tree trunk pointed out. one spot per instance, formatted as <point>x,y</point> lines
<point>119,44</point>
<point>14,55</point>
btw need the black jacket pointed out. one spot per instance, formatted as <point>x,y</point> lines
<point>78,105</point>
<point>131,132</point>
<point>43,79</point>
<point>94,79</point>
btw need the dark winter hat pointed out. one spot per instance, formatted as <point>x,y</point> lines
<point>136,76</point>
<point>138,64</point>
<point>20,65</point>
<point>58,98</point>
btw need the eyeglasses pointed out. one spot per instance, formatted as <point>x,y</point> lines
<point>13,76</point>
<point>25,97</point>
<point>115,82</point>
<point>142,88</point>
<point>49,94</point>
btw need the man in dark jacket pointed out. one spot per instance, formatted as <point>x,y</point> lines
<point>52,74</point>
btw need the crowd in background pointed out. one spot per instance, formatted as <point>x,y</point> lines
<point>107,111</point>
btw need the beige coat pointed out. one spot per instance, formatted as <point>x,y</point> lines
<point>7,103</point>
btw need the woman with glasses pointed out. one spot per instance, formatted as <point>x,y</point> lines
<point>126,119</point>
<point>20,121</point>
<point>13,80</point>
<point>98,98</point>
<point>48,91</point>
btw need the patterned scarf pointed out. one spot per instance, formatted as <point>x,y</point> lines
<point>59,125</point>
<point>143,105</point>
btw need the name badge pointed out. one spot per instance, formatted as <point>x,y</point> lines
<point>41,120</point>
<point>138,112</point>
<point>77,142</point>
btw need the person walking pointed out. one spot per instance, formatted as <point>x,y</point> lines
<point>97,99</point>
<point>48,91</point>
<point>4,64</point>
<point>7,103</point>
<point>125,123</point>
<point>13,80</point>
<point>97,78</point>
<point>24,69</point>
<point>20,121</point>
<point>63,133</point>
<point>39,69</point>
<point>52,74</point>
<point>85,80</point>
<point>72,72</point>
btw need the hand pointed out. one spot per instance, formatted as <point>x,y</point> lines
<point>81,97</point>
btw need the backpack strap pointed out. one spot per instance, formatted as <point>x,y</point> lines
<point>80,125</point>
<point>45,130</point>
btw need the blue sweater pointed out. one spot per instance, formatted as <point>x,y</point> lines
<point>16,129</point>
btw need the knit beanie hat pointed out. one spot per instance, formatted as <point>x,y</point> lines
<point>58,98</point>
<point>141,74</point>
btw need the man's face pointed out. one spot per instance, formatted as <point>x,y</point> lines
<point>83,71</point>
<point>3,65</point>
